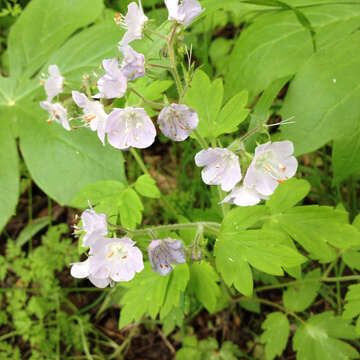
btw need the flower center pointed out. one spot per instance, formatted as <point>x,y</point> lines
<point>268,163</point>
<point>115,252</point>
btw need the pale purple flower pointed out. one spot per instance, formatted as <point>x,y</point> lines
<point>185,12</point>
<point>177,120</point>
<point>114,83</point>
<point>53,84</point>
<point>244,196</point>
<point>273,163</point>
<point>57,113</point>
<point>133,64</point>
<point>134,21</point>
<point>130,127</point>
<point>94,225</point>
<point>163,253</point>
<point>94,113</point>
<point>221,167</point>
<point>110,260</point>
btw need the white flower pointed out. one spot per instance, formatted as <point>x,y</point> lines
<point>273,163</point>
<point>95,226</point>
<point>221,167</point>
<point>177,120</point>
<point>163,253</point>
<point>110,260</point>
<point>134,22</point>
<point>57,113</point>
<point>244,196</point>
<point>114,83</point>
<point>94,113</point>
<point>130,127</point>
<point>133,64</point>
<point>184,13</point>
<point>53,84</point>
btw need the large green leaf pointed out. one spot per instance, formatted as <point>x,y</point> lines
<point>315,226</point>
<point>42,27</point>
<point>318,339</point>
<point>324,100</point>
<point>9,173</point>
<point>275,336</point>
<point>277,44</point>
<point>63,162</point>
<point>352,298</point>
<point>264,250</point>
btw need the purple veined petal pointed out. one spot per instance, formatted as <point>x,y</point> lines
<point>290,166</point>
<point>172,6</point>
<point>80,99</point>
<point>177,120</point>
<point>221,167</point>
<point>133,64</point>
<point>130,127</point>
<point>137,259</point>
<point>94,222</point>
<point>244,196</point>
<point>262,182</point>
<point>191,10</point>
<point>283,148</point>
<point>57,113</point>
<point>134,22</point>
<point>100,283</point>
<point>114,83</point>
<point>80,270</point>
<point>176,251</point>
<point>262,148</point>
<point>53,85</point>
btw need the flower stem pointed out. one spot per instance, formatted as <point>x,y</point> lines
<point>157,34</point>
<point>157,66</point>
<point>153,104</point>
<point>200,139</point>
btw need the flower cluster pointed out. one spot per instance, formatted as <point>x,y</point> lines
<point>272,164</point>
<point>113,260</point>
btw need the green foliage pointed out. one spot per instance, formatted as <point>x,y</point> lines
<point>150,294</point>
<point>9,176</point>
<point>145,185</point>
<point>275,336</point>
<point>318,339</point>
<point>207,99</point>
<point>352,306</point>
<point>299,297</point>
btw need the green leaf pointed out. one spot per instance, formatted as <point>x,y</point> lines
<point>299,297</point>
<point>333,94</point>
<point>9,175</point>
<point>352,258</point>
<point>315,226</point>
<point>32,229</point>
<point>232,114</point>
<point>352,298</point>
<point>149,292</point>
<point>242,218</point>
<point>277,45</point>
<point>275,336</point>
<point>63,162</point>
<point>130,209</point>
<point>203,282</point>
<point>288,195</point>
<point>264,250</point>
<point>233,267</point>
<point>318,339</point>
<point>145,185</point>
<point>38,31</point>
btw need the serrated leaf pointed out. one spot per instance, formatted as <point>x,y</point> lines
<point>264,250</point>
<point>232,114</point>
<point>287,195</point>
<point>148,293</point>
<point>130,209</point>
<point>319,339</point>
<point>203,283</point>
<point>314,226</point>
<point>233,267</point>
<point>299,297</point>
<point>275,336</point>
<point>145,185</point>
<point>241,218</point>
<point>352,298</point>
<point>352,259</point>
